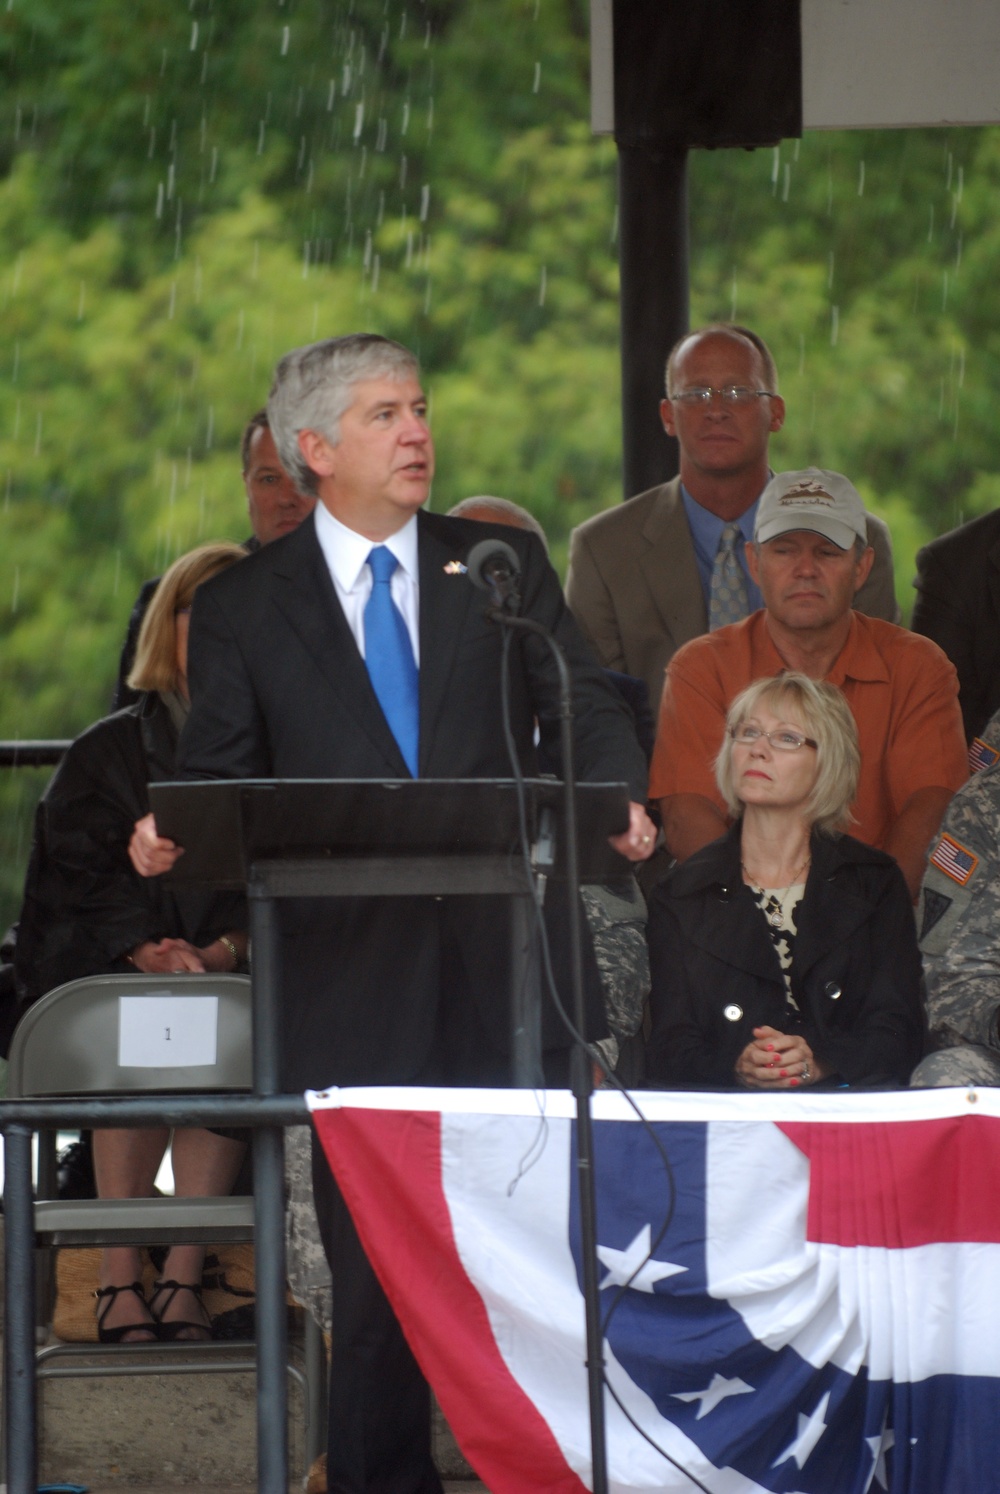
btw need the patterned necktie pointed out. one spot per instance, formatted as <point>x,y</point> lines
<point>389,659</point>
<point>727,598</point>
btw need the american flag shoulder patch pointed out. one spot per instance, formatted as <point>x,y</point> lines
<point>981,755</point>
<point>954,859</point>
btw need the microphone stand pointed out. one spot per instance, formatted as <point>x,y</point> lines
<point>505,597</point>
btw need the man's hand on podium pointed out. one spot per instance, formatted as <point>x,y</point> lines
<point>151,854</point>
<point>148,852</point>
<point>636,843</point>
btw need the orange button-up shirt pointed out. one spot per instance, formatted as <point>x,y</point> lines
<point>901,688</point>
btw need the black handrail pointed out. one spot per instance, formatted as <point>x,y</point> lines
<point>34,754</point>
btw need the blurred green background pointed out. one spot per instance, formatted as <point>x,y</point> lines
<point>186,191</point>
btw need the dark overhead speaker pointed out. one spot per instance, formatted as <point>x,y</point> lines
<point>707,72</point>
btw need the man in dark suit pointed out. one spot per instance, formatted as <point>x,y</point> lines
<point>958,605</point>
<point>647,576</point>
<point>285,682</point>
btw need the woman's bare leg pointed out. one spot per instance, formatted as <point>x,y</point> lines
<point>125,1166</point>
<point>205,1166</point>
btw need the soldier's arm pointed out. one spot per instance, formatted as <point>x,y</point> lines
<point>617,919</point>
<point>913,830</point>
<point>959,919</point>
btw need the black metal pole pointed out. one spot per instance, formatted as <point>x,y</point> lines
<point>19,1310</point>
<point>154,1110</point>
<point>653,269</point>
<point>580,1068</point>
<point>525,995</point>
<point>582,1080</point>
<point>269,1202</point>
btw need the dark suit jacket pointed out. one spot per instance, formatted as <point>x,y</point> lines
<point>716,975</point>
<point>378,992</point>
<point>634,587</point>
<point>958,605</point>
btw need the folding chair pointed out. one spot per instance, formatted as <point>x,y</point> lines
<point>132,1034</point>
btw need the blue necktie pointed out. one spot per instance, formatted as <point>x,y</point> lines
<point>727,598</point>
<point>391,666</point>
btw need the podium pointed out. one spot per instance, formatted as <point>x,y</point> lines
<point>359,838</point>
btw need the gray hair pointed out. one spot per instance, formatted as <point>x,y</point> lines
<point>490,510</point>
<point>822,711</point>
<point>313,387</point>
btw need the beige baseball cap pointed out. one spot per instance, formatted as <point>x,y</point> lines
<point>822,502</point>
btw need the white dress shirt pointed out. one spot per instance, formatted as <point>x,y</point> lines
<point>346,553</point>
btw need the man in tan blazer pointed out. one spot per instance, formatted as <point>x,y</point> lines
<point>640,580</point>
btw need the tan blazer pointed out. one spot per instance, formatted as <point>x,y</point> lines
<point>633,583</point>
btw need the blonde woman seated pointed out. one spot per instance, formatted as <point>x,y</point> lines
<point>785,954</point>
<point>86,912</point>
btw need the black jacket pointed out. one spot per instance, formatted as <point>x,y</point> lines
<point>715,972</point>
<point>958,605</point>
<point>84,906</point>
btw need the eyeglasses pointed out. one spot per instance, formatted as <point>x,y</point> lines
<point>732,394</point>
<point>782,740</point>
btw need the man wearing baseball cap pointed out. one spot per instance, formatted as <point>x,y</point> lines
<point>809,556</point>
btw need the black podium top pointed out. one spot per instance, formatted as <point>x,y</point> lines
<point>228,826</point>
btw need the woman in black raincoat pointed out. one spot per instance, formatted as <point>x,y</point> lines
<point>87,912</point>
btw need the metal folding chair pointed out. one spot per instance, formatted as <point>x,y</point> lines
<point>112,1035</point>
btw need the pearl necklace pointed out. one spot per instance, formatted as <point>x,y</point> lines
<point>776,917</point>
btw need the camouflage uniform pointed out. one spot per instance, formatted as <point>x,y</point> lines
<point>984,750</point>
<point>308,1272</point>
<point>959,923</point>
<point>616,916</point>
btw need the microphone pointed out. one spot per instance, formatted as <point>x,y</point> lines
<point>494,566</point>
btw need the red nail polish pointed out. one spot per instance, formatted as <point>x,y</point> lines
<point>784,1073</point>
<point>794,1082</point>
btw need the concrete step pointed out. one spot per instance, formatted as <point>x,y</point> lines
<point>173,1432</point>
<point>158,1434</point>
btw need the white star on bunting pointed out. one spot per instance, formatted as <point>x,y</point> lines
<point>718,1391</point>
<point>879,1447</point>
<point>631,1265</point>
<point>811,1429</point>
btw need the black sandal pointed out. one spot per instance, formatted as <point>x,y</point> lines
<point>169,1332</point>
<point>108,1295</point>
